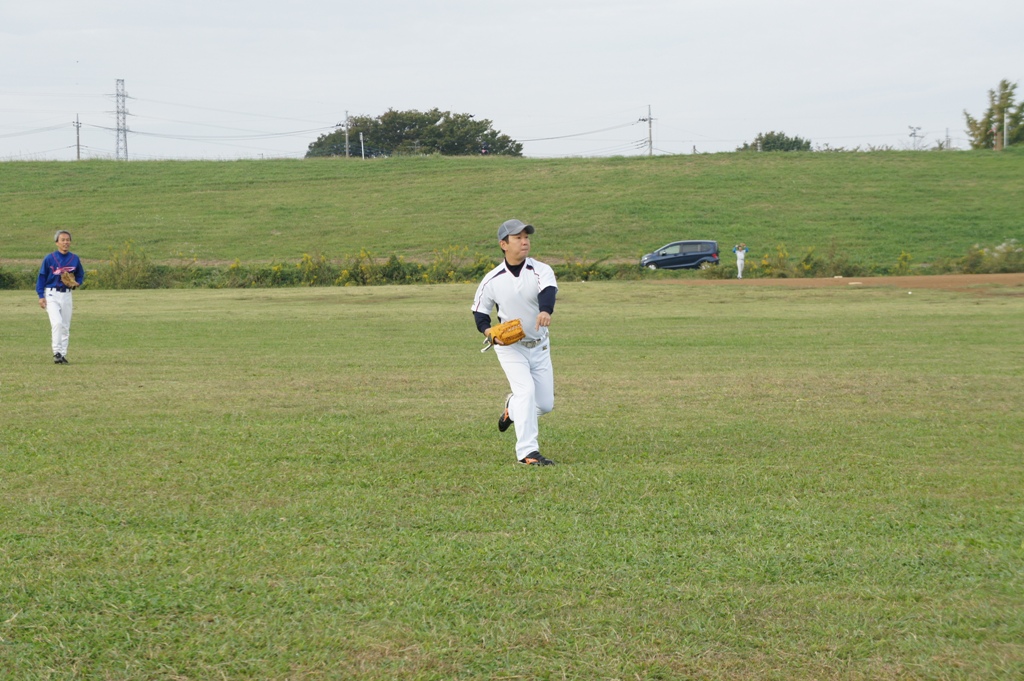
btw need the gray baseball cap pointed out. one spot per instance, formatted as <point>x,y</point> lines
<point>510,227</point>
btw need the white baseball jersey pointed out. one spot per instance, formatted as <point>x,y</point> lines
<point>515,297</point>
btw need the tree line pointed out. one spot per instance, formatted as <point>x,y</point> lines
<point>412,132</point>
<point>1001,125</point>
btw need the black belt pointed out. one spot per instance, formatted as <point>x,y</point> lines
<point>60,289</point>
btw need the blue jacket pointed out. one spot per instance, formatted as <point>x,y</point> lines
<point>53,265</point>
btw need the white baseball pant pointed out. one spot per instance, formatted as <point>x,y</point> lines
<point>532,380</point>
<point>58,309</point>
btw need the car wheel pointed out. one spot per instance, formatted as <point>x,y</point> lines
<point>652,267</point>
<point>706,265</point>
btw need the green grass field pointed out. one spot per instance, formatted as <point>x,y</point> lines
<point>869,207</point>
<point>752,482</point>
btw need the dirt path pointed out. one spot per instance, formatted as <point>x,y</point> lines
<point>947,282</point>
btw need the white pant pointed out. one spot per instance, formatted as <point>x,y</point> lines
<point>532,379</point>
<point>739,266</point>
<point>58,307</point>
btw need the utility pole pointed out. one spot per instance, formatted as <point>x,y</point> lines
<point>650,133</point>
<point>1006,137</point>
<point>78,139</point>
<point>345,124</point>
<point>121,153</point>
<point>913,134</point>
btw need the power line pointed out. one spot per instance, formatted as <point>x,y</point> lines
<point>33,132</point>
<point>205,138</point>
<point>616,150</point>
<point>237,113</point>
<point>581,134</point>
<point>142,117</point>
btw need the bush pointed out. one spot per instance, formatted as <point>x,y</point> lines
<point>364,271</point>
<point>774,265</point>
<point>628,272</point>
<point>574,269</point>
<point>902,264</point>
<point>832,265</point>
<point>129,268</point>
<point>276,274</point>
<point>396,271</point>
<point>776,141</point>
<point>719,271</point>
<point>448,266</point>
<point>13,281</point>
<point>779,265</point>
<point>481,265</point>
<point>316,270</point>
<point>1006,257</point>
<point>236,276</point>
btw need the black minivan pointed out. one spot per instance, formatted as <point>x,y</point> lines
<point>682,254</point>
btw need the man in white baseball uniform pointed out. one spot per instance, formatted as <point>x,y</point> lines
<point>741,254</point>
<point>521,288</point>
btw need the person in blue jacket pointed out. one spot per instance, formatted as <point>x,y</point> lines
<point>54,296</point>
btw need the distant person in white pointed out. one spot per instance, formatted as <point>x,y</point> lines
<point>741,254</point>
<point>521,288</point>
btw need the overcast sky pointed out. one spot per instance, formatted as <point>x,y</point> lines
<point>220,79</point>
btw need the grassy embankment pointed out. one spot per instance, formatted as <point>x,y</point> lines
<point>868,207</point>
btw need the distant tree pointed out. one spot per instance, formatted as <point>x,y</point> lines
<point>418,132</point>
<point>987,132</point>
<point>776,141</point>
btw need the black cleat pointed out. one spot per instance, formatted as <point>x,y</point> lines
<point>59,358</point>
<point>535,459</point>
<point>504,421</point>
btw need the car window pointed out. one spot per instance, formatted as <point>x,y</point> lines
<point>670,250</point>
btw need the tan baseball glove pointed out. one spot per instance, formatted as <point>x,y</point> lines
<point>68,280</point>
<point>507,333</point>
